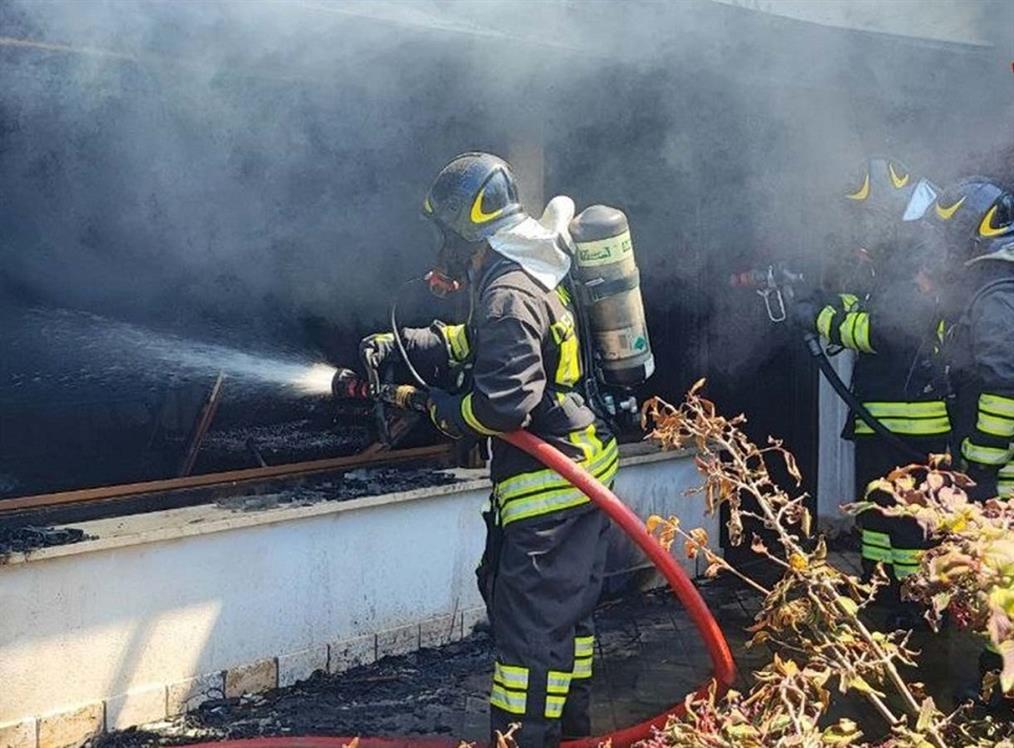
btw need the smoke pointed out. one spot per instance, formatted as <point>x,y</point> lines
<point>253,166</point>
<point>69,354</point>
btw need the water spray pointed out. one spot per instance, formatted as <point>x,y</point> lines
<point>103,352</point>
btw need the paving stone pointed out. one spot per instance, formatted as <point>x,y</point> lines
<point>297,666</point>
<point>135,708</point>
<point>261,675</point>
<point>21,734</point>
<point>349,653</point>
<point>397,641</point>
<point>70,729</point>
<point>438,631</point>
<point>186,695</point>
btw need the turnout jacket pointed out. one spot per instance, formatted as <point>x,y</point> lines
<point>522,346</point>
<point>899,372</point>
<point>980,349</point>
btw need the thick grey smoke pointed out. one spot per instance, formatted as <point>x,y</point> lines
<point>248,166</point>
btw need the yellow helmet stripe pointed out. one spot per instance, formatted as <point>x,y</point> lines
<point>945,214</point>
<point>863,192</point>
<point>986,227</point>
<point>477,215</point>
<point>897,181</point>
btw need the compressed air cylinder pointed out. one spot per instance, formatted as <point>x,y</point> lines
<point>609,289</point>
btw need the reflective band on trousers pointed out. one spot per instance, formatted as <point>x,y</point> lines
<point>903,570</point>
<point>997,404</point>
<point>1005,481</point>
<point>877,546</point>
<point>511,676</point>
<point>984,455</point>
<point>558,682</point>
<point>509,701</point>
<point>584,649</point>
<point>907,556</point>
<point>554,706</point>
<point>876,553</point>
<point>583,668</point>
<point>873,537</point>
<point>918,419</point>
<point>509,685</point>
<point>988,423</point>
<point>545,491</point>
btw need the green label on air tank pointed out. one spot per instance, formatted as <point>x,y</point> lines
<point>604,251</point>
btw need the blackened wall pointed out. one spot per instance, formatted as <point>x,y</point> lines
<point>256,179</point>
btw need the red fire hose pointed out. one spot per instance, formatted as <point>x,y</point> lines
<point>682,587</point>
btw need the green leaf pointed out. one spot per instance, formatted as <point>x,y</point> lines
<point>860,684</point>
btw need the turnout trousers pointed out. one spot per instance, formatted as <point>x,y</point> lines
<point>546,577</point>
<point>897,542</point>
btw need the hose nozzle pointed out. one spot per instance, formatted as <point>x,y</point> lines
<point>347,385</point>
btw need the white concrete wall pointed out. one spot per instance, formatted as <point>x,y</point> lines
<point>836,457</point>
<point>162,598</point>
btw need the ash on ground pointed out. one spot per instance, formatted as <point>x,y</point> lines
<point>648,657</point>
<point>352,485</point>
<point>31,538</point>
<point>280,443</point>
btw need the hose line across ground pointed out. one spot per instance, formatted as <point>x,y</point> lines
<point>631,524</point>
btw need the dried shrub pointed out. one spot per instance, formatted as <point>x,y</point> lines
<point>970,573</point>
<point>810,618</point>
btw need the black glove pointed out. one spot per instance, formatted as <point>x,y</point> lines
<point>445,412</point>
<point>804,311</point>
<point>375,349</point>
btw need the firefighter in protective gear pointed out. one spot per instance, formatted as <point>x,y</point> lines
<point>977,218</point>
<point>894,325</point>
<point>541,573</point>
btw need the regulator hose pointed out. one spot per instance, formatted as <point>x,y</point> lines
<point>684,590</point>
<point>393,318</point>
<point>849,398</point>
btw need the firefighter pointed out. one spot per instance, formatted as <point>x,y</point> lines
<point>892,321</point>
<point>977,217</point>
<point>516,364</point>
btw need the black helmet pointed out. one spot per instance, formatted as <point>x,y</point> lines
<point>884,201</point>
<point>883,185</point>
<point>976,216</point>
<point>473,197</point>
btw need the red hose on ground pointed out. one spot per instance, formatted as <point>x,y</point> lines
<point>682,587</point>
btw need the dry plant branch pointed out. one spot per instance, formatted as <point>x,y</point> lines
<point>810,617</point>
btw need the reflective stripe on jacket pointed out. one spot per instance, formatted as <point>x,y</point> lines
<point>898,374</point>
<point>981,353</point>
